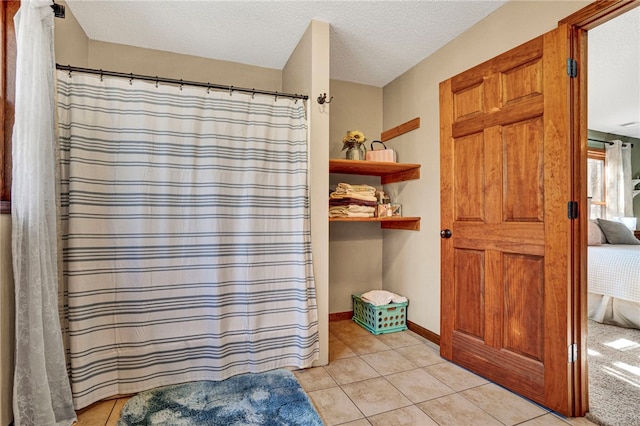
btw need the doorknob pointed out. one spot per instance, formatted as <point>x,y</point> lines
<point>445,233</point>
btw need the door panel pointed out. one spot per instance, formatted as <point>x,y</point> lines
<point>522,82</point>
<point>523,173</point>
<point>469,292</point>
<point>470,164</point>
<point>505,178</point>
<point>523,295</point>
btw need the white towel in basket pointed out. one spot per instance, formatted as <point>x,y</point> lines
<point>382,297</point>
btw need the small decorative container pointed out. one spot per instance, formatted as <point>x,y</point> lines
<point>396,209</point>
<point>356,153</point>
<point>380,319</point>
<point>384,210</point>
<point>353,142</point>
<point>384,155</point>
<point>384,206</point>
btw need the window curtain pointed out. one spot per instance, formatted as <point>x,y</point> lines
<point>619,202</point>
<point>186,234</point>
<point>595,187</point>
<point>41,394</point>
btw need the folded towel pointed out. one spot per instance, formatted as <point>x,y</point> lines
<point>352,210</point>
<point>353,195</point>
<point>355,208</point>
<point>335,214</point>
<point>338,211</point>
<point>348,201</point>
<point>356,214</point>
<point>382,297</point>
<point>345,188</point>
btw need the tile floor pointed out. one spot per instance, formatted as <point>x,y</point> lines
<point>399,379</point>
<point>392,379</point>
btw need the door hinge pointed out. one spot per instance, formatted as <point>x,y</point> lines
<point>572,67</point>
<point>572,209</point>
<point>573,352</point>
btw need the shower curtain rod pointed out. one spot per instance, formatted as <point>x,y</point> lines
<point>609,142</point>
<point>177,82</point>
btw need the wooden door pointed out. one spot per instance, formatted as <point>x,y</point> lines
<point>505,187</point>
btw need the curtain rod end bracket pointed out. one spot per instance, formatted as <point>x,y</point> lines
<point>58,10</point>
<point>322,99</point>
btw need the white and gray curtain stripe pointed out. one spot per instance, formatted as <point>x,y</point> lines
<point>186,237</point>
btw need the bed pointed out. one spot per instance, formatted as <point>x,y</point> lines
<point>614,282</point>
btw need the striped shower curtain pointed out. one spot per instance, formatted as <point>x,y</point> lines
<point>186,235</point>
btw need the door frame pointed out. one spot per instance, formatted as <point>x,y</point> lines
<point>580,23</point>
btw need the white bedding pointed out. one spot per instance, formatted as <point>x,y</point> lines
<point>614,270</point>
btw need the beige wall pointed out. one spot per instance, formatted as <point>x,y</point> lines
<point>355,249</point>
<point>307,71</point>
<point>412,259</point>
<point>354,107</point>
<point>130,59</point>
<point>71,43</point>
<point>6,321</point>
<point>74,48</point>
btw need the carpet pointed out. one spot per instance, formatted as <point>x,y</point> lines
<point>614,375</point>
<point>271,398</point>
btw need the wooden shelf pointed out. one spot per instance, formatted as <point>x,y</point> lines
<point>388,172</point>
<point>395,222</point>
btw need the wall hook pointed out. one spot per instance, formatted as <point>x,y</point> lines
<point>322,99</point>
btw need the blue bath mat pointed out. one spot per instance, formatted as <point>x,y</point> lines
<point>271,398</point>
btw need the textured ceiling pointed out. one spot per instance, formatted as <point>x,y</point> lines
<point>372,42</point>
<point>614,75</point>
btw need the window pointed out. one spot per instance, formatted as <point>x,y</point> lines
<point>596,182</point>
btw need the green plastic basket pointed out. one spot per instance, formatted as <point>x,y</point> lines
<point>380,319</point>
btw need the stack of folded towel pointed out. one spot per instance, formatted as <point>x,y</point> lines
<point>382,297</point>
<point>352,201</point>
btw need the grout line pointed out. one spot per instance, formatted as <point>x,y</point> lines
<point>106,422</point>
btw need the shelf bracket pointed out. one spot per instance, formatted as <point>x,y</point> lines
<point>408,226</point>
<point>400,176</point>
<point>401,129</point>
